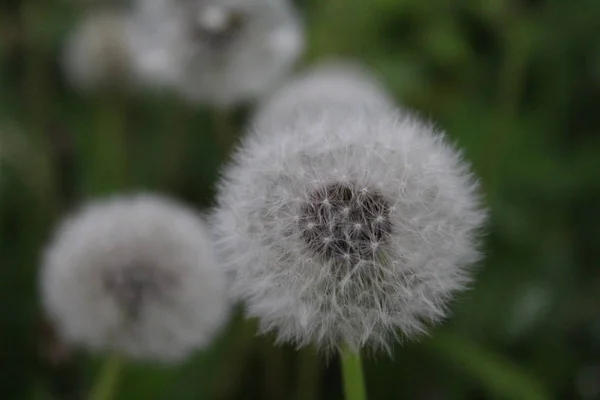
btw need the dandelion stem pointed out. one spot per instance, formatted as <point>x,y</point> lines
<point>106,384</point>
<point>354,382</point>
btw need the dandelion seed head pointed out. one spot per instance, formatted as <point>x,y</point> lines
<point>229,51</point>
<point>135,275</point>
<point>371,262</point>
<point>335,85</point>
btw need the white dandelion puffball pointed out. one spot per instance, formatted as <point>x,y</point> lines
<point>341,84</point>
<point>351,230</point>
<point>98,52</point>
<point>135,275</point>
<point>231,51</point>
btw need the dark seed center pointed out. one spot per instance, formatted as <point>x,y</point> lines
<point>218,39</point>
<point>135,285</point>
<point>345,223</point>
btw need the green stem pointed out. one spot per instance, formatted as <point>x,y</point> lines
<point>354,381</point>
<point>105,386</point>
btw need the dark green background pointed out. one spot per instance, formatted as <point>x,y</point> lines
<point>515,83</point>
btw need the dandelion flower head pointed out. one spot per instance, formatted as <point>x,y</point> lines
<point>135,275</point>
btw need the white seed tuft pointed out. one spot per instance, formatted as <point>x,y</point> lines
<point>381,258</point>
<point>135,275</point>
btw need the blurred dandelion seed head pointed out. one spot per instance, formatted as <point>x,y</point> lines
<point>133,285</point>
<point>98,52</point>
<point>135,275</point>
<point>220,52</point>
<point>237,50</point>
<point>333,84</point>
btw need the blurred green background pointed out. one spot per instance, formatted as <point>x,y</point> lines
<point>515,83</point>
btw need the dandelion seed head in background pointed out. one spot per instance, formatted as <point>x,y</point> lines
<point>135,275</point>
<point>97,52</point>
<point>236,50</point>
<point>354,228</point>
<point>330,84</point>
<point>218,52</point>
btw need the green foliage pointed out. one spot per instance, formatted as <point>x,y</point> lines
<point>514,83</point>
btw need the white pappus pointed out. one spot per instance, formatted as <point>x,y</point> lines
<point>135,275</point>
<point>229,51</point>
<point>352,227</point>
<point>341,84</point>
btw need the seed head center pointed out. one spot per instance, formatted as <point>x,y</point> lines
<point>135,285</point>
<point>345,223</point>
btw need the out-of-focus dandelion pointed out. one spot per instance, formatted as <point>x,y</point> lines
<point>112,47</point>
<point>98,52</point>
<point>230,50</point>
<point>334,84</point>
<point>347,228</point>
<point>134,275</point>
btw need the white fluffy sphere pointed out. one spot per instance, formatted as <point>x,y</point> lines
<point>229,51</point>
<point>354,228</point>
<point>136,275</point>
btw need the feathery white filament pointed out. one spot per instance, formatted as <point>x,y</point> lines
<point>347,224</point>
